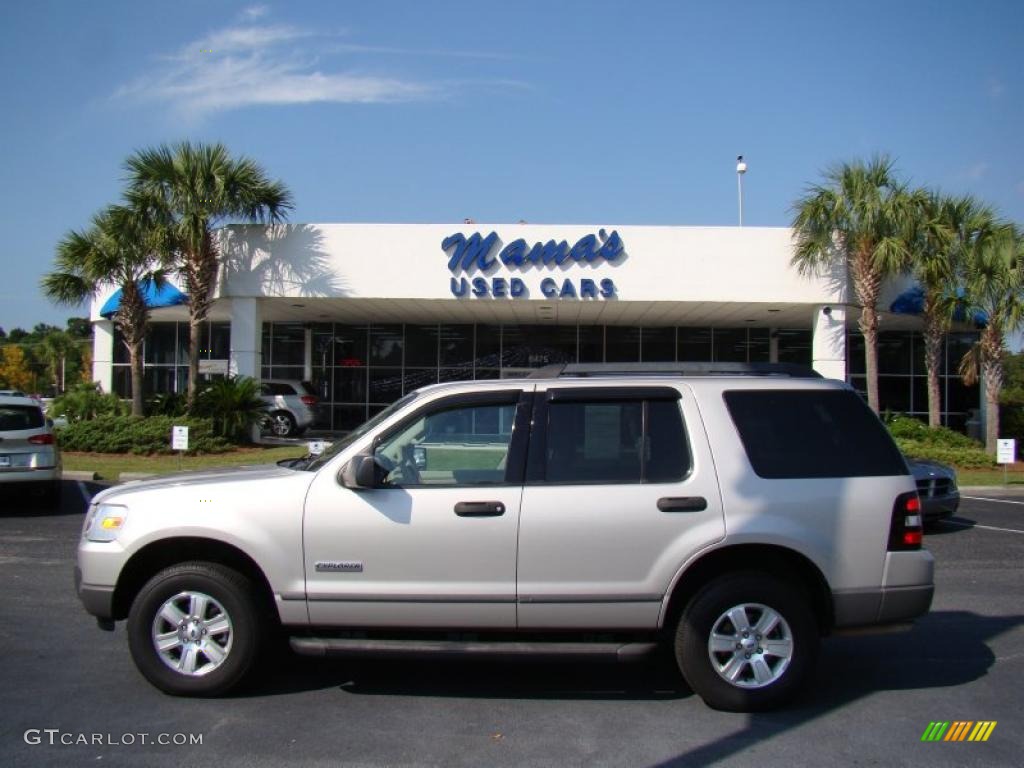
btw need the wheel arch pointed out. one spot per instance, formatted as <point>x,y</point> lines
<point>157,555</point>
<point>770,558</point>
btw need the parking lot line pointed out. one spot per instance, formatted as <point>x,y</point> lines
<point>86,496</point>
<point>985,498</point>
<point>986,527</point>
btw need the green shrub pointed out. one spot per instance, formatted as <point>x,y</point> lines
<point>132,434</point>
<point>1011,413</point>
<point>234,406</point>
<point>166,404</point>
<point>907,428</point>
<point>87,401</point>
<point>963,458</point>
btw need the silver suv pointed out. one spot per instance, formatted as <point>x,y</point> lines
<point>734,514</point>
<point>29,455</point>
<point>290,404</point>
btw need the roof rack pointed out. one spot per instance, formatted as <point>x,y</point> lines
<point>791,370</point>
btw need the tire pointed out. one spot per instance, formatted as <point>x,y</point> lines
<point>282,424</point>
<point>760,678</point>
<point>220,656</point>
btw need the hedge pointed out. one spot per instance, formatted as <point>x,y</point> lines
<point>133,434</point>
<point>917,440</point>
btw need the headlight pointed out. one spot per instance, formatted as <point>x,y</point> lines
<point>107,522</point>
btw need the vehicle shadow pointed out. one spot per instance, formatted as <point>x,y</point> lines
<point>20,502</point>
<point>956,524</point>
<point>945,648</point>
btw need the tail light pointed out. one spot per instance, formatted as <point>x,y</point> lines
<point>308,400</point>
<point>907,530</point>
<point>41,439</point>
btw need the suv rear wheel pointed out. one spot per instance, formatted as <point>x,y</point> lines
<point>282,424</point>
<point>194,630</point>
<point>747,642</point>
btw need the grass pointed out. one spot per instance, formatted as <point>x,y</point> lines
<point>111,465</point>
<point>1014,476</point>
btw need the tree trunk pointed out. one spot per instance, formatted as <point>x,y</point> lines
<point>135,359</point>
<point>992,366</point>
<point>195,328</point>
<point>869,327</point>
<point>867,283</point>
<point>933,336</point>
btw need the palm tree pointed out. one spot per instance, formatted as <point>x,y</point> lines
<point>121,248</point>
<point>193,188</point>
<point>945,227</point>
<point>994,271</point>
<point>856,219</point>
<point>54,349</point>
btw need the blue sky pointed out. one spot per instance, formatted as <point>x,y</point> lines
<point>595,112</point>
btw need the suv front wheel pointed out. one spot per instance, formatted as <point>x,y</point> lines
<point>747,642</point>
<point>193,629</point>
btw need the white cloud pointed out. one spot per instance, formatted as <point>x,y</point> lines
<point>256,11</point>
<point>261,65</point>
<point>977,171</point>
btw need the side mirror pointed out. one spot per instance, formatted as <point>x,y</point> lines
<point>360,473</point>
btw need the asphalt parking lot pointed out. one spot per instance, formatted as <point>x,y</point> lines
<point>874,696</point>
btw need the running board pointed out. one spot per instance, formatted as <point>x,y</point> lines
<point>366,648</point>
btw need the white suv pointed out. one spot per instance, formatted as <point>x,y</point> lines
<point>734,514</point>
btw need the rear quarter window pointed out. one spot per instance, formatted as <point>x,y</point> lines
<point>18,417</point>
<point>812,434</point>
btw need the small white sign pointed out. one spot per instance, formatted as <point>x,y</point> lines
<point>317,447</point>
<point>179,438</point>
<point>213,367</point>
<point>1006,451</point>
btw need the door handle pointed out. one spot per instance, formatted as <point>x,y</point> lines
<point>479,509</point>
<point>682,504</point>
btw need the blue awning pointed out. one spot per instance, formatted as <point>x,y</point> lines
<point>911,302</point>
<point>155,298</point>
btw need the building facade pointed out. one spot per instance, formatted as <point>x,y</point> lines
<point>367,312</point>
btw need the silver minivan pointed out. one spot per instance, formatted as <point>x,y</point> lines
<point>29,454</point>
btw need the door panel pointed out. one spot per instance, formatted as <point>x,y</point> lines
<point>597,554</point>
<point>436,545</point>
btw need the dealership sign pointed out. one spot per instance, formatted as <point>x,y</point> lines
<point>485,255</point>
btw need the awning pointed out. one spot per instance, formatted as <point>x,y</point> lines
<point>911,302</point>
<point>155,298</point>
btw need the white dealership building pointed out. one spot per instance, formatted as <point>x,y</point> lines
<point>368,311</point>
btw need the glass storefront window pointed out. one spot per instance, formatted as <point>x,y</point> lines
<point>350,385</point>
<point>421,345</point>
<point>488,346</point>
<point>220,341</point>
<point>533,346</point>
<point>385,385</point>
<point>621,344</point>
<point>758,345</point>
<point>794,346</point>
<point>694,345</point>
<point>591,344</point>
<point>894,353</point>
<point>658,345</point>
<point>730,345</point>
<point>386,345</point>
<point>456,342</point>
<point>287,345</point>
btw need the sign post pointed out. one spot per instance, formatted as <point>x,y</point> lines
<point>179,441</point>
<point>1006,453</point>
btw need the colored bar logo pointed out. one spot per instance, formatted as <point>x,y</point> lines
<point>959,730</point>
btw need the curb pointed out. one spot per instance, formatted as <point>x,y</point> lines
<point>126,476</point>
<point>70,474</point>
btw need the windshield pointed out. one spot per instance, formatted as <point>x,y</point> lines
<point>315,462</point>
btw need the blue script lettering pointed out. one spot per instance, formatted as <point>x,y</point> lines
<point>476,252</point>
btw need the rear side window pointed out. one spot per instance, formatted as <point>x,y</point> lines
<point>273,388</point>
<point>809,434</point>
<point>17,417</point>
<point>623,441</point>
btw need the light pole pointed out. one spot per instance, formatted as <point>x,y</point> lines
<point>741,168</point>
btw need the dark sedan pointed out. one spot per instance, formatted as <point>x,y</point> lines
<point>936,485</point>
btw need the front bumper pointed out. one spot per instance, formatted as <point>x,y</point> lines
<point>938,507</point>
<point>99,601</point>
